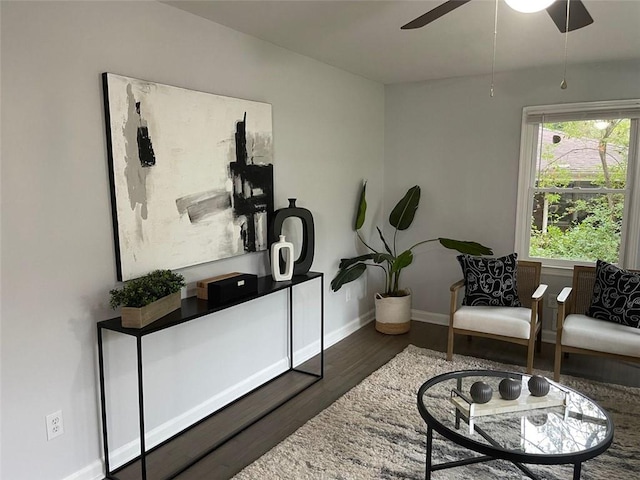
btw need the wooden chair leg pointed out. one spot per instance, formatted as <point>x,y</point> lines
<point>450,344</point>
<point>530,351</point>
<point>557,363</point>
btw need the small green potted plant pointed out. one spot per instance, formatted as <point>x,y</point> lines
<point>393,307</point>
<point>148,298</point>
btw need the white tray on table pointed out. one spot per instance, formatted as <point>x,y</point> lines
<point>498,405</point>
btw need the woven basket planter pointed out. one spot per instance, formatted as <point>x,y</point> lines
<point>393,314</point>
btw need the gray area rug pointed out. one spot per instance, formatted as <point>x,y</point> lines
<point>375,431</point>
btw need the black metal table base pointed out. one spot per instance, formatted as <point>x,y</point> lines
<point>191,309</point>
<point>430,467</point>
<point>113,475</point>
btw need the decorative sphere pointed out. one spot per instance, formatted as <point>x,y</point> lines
<point>510,388</point>
<point>538,420</point>
<point>481,392</point>
<point>538,386</point>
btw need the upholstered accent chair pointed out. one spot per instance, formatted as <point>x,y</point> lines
<point>521,325</point>
<point>578,333</point>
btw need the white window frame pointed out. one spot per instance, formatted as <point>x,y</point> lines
<point>630,237</point>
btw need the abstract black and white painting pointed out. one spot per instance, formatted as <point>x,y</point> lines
<point>191,175</point>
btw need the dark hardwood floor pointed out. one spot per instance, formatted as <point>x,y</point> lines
<point>346,364</point>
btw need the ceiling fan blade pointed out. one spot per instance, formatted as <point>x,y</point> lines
<point>578,15</point>
<point>434,14</point>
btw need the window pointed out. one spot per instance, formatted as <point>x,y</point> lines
<point>578,190</point>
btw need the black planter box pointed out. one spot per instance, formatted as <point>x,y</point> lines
<point>231,289</point>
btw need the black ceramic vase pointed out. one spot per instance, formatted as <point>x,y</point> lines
<point>481,392</point>
<point>303,263</point>
<point>510,388</point>
<point>538,386</point>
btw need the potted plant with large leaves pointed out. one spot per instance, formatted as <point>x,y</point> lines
<point>393,306</point>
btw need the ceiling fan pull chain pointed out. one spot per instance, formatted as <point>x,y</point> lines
<point>563,84</point>
<point>495,39</point>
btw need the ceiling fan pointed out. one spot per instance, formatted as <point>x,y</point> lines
<point>578,17</point>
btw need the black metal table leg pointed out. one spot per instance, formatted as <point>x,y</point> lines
<point>427,471</point>
<point>458,416</point>
<point>290,301</point>
<point>103,404</point>
<point>322,326</point>
<point>143,447</point>
<point>577,468</point>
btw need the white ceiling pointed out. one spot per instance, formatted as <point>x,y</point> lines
<point>364,37</point>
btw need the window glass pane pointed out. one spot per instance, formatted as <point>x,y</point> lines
<point>583,154</point>
<point>578,164</point>
<point>576,226</point>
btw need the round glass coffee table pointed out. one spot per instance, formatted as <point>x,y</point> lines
<point>562,427</point>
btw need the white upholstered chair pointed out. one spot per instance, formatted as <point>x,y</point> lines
<point>578,333</point>
<point>520,325</point>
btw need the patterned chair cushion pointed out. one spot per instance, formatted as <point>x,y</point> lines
<point>616,295</point>
<point>490,281</point>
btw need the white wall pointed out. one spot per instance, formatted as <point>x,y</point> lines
<point>57,248</point>
<point>462,147</point>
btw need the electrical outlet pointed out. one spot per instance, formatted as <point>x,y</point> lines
<point>348,294</point>
<point>55,427</point>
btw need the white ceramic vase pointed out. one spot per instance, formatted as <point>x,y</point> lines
<point>286,249</point>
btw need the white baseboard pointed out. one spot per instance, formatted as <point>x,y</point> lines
<point>94,471</point>
<point>430,317</point>
<point>124,453</point>
<point>548,336</point>
<point>305,353</point>
<point>335,336</point>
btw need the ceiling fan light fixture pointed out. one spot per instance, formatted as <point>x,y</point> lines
<point>529,6</point>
